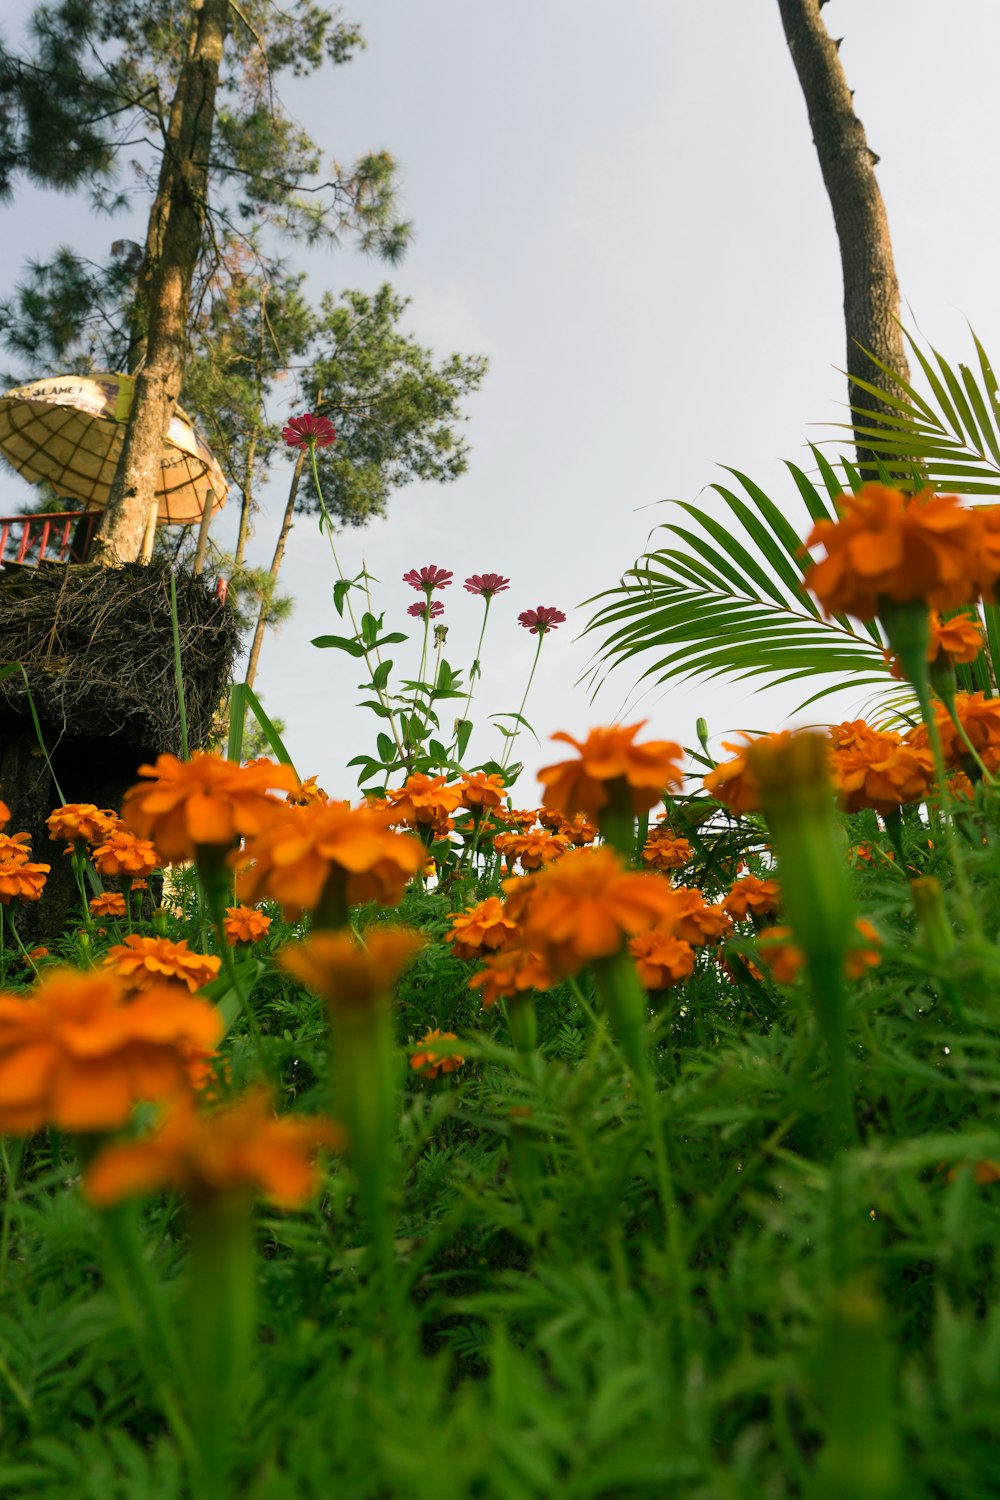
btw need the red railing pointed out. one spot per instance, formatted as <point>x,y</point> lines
<point>50,536</point>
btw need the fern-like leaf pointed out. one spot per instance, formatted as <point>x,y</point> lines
<point>730,602</point>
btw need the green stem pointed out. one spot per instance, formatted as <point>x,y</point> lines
<point>408,739</point>
<point>24,952</point>
<point>520,713</point>
<point>178,672</point>
<point>10,1196</point>
<point>131,1278</point>
<point>215,900</point>
<point>382,695</point>
<point>475,670</point>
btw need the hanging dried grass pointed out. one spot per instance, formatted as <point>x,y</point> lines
<point>97,646</point>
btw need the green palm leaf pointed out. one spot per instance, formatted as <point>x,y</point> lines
<point>730,601</point>
<point>951,439</point>
<point>726,598</point>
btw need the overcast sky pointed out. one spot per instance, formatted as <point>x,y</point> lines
<point>622,207</point>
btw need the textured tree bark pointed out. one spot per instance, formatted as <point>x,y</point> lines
<point>173,243</point>
<point>279,552</point>
<point>871,290</point>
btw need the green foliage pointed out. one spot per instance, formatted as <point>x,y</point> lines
<point>730,602</point>
<point>837,1328</point>
<point>396,410</point>
<point>94,84</point>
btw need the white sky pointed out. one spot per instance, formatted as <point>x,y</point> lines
<point>623,208</point>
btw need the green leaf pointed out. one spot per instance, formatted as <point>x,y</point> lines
<point>340,592</point>
<point>270,733</point>
<point>350,644</point>
<point>370,767</point>
<point>380,676</point>
<point>237,718</point>
<point>463,734</point>
<point>719,610</point>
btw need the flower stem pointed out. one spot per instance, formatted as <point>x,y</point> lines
<point>520,713</point>
<point>381,693</point>
<point>475,670</point>
<point>178,671</point>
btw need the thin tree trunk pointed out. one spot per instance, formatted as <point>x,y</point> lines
<point>279,552</point>
<point>247,506</point>
<point>172,248</point>
<point>871,290</point>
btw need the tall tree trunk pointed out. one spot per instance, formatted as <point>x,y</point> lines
<point>247,505</point>
<point>871,290</point>
<point>279,552</point>
<point>173,245</point>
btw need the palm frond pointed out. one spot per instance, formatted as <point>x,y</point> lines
<point>951,436</point>
<point>730,601</point>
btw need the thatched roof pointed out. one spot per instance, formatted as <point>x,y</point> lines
<point>97,646</point>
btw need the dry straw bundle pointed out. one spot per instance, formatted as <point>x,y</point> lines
<point>97,647</point>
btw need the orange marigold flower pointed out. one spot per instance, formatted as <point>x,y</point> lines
<point>439,1059</point>
<point>781,954</point>
<point>690,917</point>
<point>786,959</point>
<point>203,803</point>
<point>484,927</point>
<point>20,879</point>
<point>737,966</point>
<point>15,848</point>
<point>662,851</point>
<point>5,815</point>
<point>579,830</point>
<point>307,793</point>
<point>584,907</point>
<point>348,976</point>
<point>479,791</point>
<point>304,848</point>
<point>509,973</point>
<point>865,952</point>
<point>77,1052</point>
<point>206,1071</point>
<point>244,924</point>
<point>123,853</point>
<point>108,904</point>
<point>979,717</point>
<point>661,960</point>
<point>609,756</point>
<point>81,822</point>
<point>732,782</point>
<point>144,961</point>
<point>424,799</point>
<point>752,896</point>
<point>241,1148</point>
<point>876,769</point>
<point>961,637</point>
<point>532,850</point>
<point>901,547</point>
<point>524,818</point>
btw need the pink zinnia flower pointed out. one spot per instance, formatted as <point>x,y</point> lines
<point>309,432</point>
<point>486,584</point>
<point>428,579</point>
<point>539,620</point>
<point>421,611</point>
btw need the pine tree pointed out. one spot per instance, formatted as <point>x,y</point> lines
<point>99,79</point>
